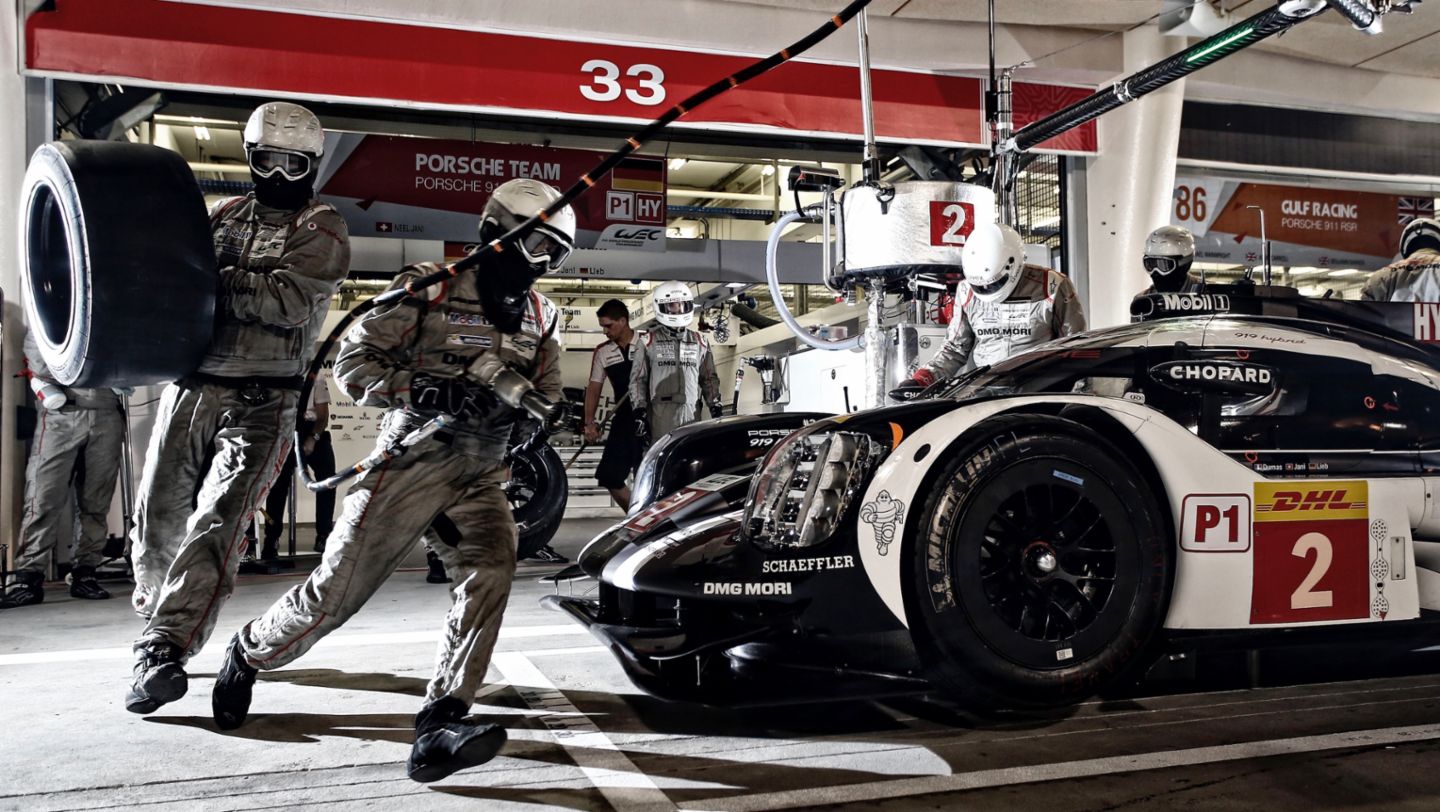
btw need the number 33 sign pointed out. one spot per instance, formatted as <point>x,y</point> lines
<point>1311,552</point>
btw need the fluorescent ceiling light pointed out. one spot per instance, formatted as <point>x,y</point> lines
<point>676,163</point>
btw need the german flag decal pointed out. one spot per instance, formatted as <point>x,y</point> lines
<point>639,175</point>
<point>1313,501</point>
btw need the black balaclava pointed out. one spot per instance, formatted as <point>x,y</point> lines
<point>1175,280</point>
<point>504,282</point>
<point>286,195</point>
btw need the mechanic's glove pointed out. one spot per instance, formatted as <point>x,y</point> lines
<point>717,411</point>
<point>642,426</point>
<point>449,395</point>
<point>922,380</point>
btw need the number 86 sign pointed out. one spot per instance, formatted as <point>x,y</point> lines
<point>1311,553</point>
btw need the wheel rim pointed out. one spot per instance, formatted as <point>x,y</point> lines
<point>522,488</point>
<point>1044,563</point>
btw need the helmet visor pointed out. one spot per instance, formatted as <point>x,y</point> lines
<point>675,308</point>
<point>992,288</point>
<point>1161,266</point>
<point>541,247</point>
<point>267,163</point>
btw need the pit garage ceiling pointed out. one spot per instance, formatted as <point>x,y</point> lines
<point>1323,64</point>
<point>1410,45</point>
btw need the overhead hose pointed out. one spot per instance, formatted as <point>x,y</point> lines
<point>1208,51</point>
<point>752,317</point>
<point>772,276</point>
<point>586,181</point>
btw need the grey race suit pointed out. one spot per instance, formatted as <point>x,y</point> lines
<point>1043,307</point>
<point>460,474</point>
<point>88,428</point>
<point>672,368</point>
<point>1415,279</point>
<point>217,446</point>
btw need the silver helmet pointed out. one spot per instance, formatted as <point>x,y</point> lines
<point>1422,232</point>
<point>1169,251</point>
<point>515,201</point>
<point>283,138</point>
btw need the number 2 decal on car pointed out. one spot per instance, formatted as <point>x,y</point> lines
<point>1311,552</point>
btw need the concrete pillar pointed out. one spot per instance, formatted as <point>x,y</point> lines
<point>1129,185</point>
<point>12,170</point>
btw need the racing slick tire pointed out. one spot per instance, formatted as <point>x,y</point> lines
<point>538,491</point>
<point>1041,570</point>
<point>119,263</point>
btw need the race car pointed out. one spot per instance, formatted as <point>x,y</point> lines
<point>1248,462</point>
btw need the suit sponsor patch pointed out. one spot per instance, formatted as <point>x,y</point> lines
<point>471,341</point>
<point>467,319</point>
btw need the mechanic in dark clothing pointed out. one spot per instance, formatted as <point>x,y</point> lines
<point>612,360</point>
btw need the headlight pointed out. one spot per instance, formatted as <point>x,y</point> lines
<point>805,486</point>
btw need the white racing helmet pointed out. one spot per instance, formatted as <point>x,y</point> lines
<point>283,138</point>
<point>1422,232</point>
<point>513,202</point>
<point>674,304</point>
<point>1169,250</point>
<point>993,260</point>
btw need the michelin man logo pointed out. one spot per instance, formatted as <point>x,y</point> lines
<point>885,514</point>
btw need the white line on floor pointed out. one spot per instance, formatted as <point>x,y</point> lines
<point>1010,776</point>
<point>605,764</point>
<point>338,641</point>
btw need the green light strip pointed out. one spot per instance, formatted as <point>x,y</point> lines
<point>1238,35</point>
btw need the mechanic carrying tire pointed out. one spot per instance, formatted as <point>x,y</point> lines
<point>1043,568</point>
<point>1004,307</point>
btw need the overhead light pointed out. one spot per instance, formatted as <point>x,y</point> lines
<point>202,133</point>
<point>676,163</point>
<point>767,170</point>
<point>737,285</point>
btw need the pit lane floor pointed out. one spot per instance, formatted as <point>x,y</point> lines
<point>1332,730</point>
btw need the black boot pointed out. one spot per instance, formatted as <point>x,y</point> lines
<point>159,677</point>
<point>445,743</point>
<point>436,575</point>
<point>26,589</point>
<point>230,700</point>
<point>84,586</point>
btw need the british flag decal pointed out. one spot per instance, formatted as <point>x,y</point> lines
<point>1413,207</point>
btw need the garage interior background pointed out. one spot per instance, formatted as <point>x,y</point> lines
<point>1251,131</point>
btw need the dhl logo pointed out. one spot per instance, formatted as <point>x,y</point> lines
<point>1287,501</point>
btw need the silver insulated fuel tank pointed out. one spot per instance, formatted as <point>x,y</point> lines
<point>894,230</point>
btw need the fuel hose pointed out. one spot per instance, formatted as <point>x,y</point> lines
<point>586,181</point>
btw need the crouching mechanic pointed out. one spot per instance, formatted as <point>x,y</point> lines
<point>411,357</point>
<point>671,368</point>
<point>1416,277</point>
<point>1169,254</point>
<point>1004,307</point>
<point>221,431</point>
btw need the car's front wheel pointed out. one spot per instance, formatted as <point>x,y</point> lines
<point>1042,569</point>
